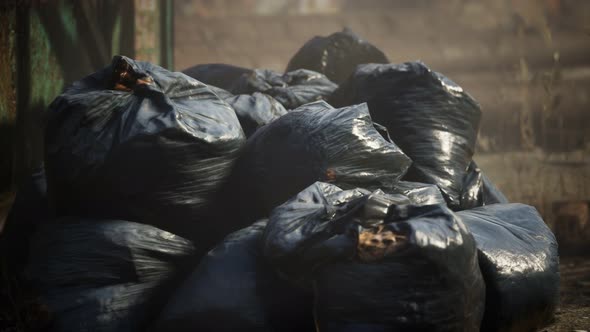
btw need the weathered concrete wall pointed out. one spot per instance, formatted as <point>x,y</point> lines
<point>527,62</point>
<point>540,179</point>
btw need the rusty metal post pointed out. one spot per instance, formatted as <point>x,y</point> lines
<point>147,32</point>
<point>167,34</point>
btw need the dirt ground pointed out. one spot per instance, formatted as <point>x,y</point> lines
<point>574,311</point>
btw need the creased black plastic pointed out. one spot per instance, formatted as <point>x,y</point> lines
<point>30,208</point>
<point>291,89</point>
<point>221,93</point>
<point>256,110</point>
<point>433,283</point>
<point>105,275</point>
<point>217,74</point>
<point>478,190</point>
<point>156,154</point>
<point>336,55</point>
<point>312,143</point>
<point>234,289</point>
<point>419,193</point>
<point>433,120</point>
<point>520,265</point>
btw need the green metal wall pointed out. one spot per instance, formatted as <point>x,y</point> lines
<point>7,93</point>
<point>47,45</point>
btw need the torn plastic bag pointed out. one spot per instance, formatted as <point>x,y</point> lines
<point>312,143</point>
<point>291,89</point>
<point>217,74</point>
<point>234,289</point>
<point>30,208</point>
<point>520,265</point>
<point>256,110</point>
<point>377,263</point>
<point>336,55</point>
<point>478,190</point>
<point>433,120</point>
<point>105,275</point>
<point>137,142</point>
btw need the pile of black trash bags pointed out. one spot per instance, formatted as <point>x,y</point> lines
<point>340,195</point>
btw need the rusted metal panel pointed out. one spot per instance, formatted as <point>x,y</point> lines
<point>7,94</point>
<point>48,44</point>
<point>52,43</point>
<point>154,32</point>
<point>40,80</point>
<point>167,34</point>
<point>7,66</point>
<point>147,35</point>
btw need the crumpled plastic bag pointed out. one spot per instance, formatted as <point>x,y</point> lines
<point>520,264</point>
<point>137,142</point>
<point>472,191</point>
<point>255,111</point>
<point>432,119</point>
<point>419,193</point>
<point>479,190</point>
<point>336,55</point>
<point>105,275</point>
<point>234,289</point>
<point>315,142</point>
<point>376,262</point>
<point>292,89</point>
<point>217,74</point>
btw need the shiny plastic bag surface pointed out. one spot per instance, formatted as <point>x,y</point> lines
<point>314,142</point>
<point>479,190</point>
<point>520,265</point>
<point>376,262</point>
<point>137,142</point>
<point>432,119</point>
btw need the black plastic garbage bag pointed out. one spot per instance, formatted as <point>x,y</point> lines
<point>336,55</point>
<point>221,93</point>
<point>312,143</point>
<point>419,193</point>
<point>433,120</point>
<point>217,74</point>
<point>105,275</point>
<point>291,89</point>
<point>30,208</point>
<point>478,189</point>
<point>377,263</point>
<point>253,111</point>
<point>520,265</point>
<point>234,289</point>
<point>137,142</point>
<point>256,110</point>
